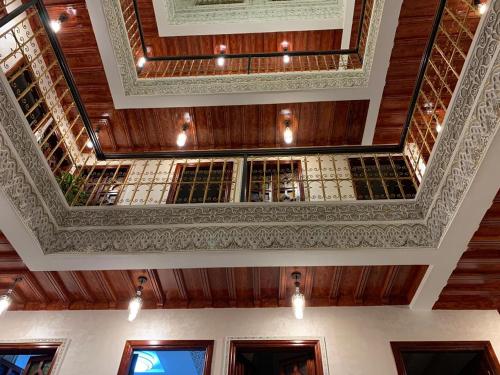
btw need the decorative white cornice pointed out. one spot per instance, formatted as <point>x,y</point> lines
<point>233,83</point>
<point>472,121</point>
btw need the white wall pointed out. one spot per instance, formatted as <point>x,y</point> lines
<point>357,339</point>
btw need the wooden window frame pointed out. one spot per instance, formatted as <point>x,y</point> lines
<point>274,163</point>
<point>131,345</point>
<point>54,348</point>
<point>261,345</point>
<point>437,346</point>
<point>176,184</point>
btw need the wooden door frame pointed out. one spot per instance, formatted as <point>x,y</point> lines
<point>257,345</point>
<point>41,347</point>
<point>131,345</point>
<point>435,346</point>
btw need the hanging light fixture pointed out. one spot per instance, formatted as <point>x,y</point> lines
<point>6,299</point>
<point>141,62</point>
<point>482,7</point>
<point>288,134</point>
<point>221,60</point>
<point>298,299</point>
<point>439,127</point>
<point>182,136</point>
<point>284,46</point>
<point>89,143</point>
<point>135,304</point>
<point>55,25</point>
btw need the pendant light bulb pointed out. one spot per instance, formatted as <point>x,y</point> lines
<point>141,62</point>
<point>134,307</point>
<point>298,299</point>
<point>439,127</point>
<point>89,143</point>
<point>55,25</point>
<point>286,59</point>
<point>482,8</point>
<point>6,299</point>
<point>5,302</point>
<point>288,134</point>
<point>135,304</point>
<point>182,136</point>
<point>221,61</point>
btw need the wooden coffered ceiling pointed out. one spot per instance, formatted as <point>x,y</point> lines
<point>207,287</point>
<point>475,283</point>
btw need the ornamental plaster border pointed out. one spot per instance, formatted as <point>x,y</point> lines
<point>234,83</point>
<point>251,11</point>
<point>321,339</point>
<point>471,125</point>
<point>61,350</point>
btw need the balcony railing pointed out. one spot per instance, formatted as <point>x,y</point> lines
<point>243,63</point>
<point>38,75</point>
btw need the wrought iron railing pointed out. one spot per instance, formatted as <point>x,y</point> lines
<point>242,63</point>
<point>39,77</point>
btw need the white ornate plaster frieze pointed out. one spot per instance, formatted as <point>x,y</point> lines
<point>181,12</point>
<point>472,122</point>
<point>233,83</point>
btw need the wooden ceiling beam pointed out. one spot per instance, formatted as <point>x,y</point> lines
<point>389,280</point>
<point>335,284</point>
<point>106,288</point>
<point>180,284</point>
<point>205,284</point>
<point>359,293</point>
<point>256,286</point>
<point>231,286</point>
<point>82,285</point>
<point>157,288</point>
<point>59,287</point>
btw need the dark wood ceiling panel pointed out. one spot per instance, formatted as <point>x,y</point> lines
<point>475,282</point>
<point>413,31</point>
<point>207,287</point>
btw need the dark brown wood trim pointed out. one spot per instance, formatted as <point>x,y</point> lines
<point>274,344</point>
<point>131,345</point>
<point>53,348</point>
<point>400,346</point>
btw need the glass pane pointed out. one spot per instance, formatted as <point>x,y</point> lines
<point>171,362</point>
<point>445,362</point>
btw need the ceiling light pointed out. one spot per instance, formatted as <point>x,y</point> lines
<point>6,299</point>
<point>55,25</point>
<point>481,7</point>
<point>182,137</point>
<point>89,143</point>
<point>135,304</point>
<point>284,47</point>
<point>141,62</point>
<point>187,117</point>
<point>439,127</point>
<point>288,134</point>
<point>429,107</point>
<point>221,59</point>
<point>298,299</point>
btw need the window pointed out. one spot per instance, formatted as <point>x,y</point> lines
<point>102,185</point>
<point>381,177</point>
<point>275,357</point>
<point>179,357</point>
<point>445,357</point>
<point>275,181</point>
<point>32,358</point>
<point>28,95</point>
<point>201,183</point>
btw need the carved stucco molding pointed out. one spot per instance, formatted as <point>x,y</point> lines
<point>233,83</point>
<point>187,13</point>
<point>27,183</point>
